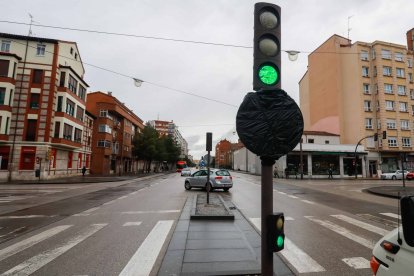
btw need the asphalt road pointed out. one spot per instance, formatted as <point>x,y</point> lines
<point>331,226</point>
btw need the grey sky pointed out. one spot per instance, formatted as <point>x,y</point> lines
<point>222,73</point>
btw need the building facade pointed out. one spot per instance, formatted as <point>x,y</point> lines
<point>171,129</point>
<point>367,89</point>
<point>42,106</point>
<point>113,132</point>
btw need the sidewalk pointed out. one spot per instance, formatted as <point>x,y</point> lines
<point>215,247</point>
<point>391,191</point>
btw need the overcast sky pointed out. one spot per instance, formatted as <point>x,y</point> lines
<point>217,72</point>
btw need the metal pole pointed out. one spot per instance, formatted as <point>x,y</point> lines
<point>40,168</point>
<point>301,160</point>
<point>208,178</point>
<point>267,209</point>
<point>246,161</point>
<point>402,165</point>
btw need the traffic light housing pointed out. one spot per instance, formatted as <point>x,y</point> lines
<point>266,53</point>
<point>275,232</point>
<point>384,134</point>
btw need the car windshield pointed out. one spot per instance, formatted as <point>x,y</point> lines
<point>223,173</point>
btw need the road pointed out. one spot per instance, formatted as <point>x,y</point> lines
<point>331,226</point>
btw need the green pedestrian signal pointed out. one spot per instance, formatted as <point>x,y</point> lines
<point>268,74</point>
<point>275,232</point>
<point>280,242</point>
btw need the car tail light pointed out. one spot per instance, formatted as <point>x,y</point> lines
<point>219,177</point>
<point>231,177</point>
<point>390,247</point>
<point>374,265</point>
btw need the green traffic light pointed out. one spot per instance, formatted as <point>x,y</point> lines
<point>280,241</point>
<point>268,74</point>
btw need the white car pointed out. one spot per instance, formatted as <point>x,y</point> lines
<point>186,172</point>
<point>395,175</point>
<point>393,255</point>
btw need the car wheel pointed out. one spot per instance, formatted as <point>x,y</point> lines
<point>394,177</point>
<point>226,189</point>
<point>187,185</point>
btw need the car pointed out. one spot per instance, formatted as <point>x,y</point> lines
<point>219,179</point>
<point>410,175</point>
<point>395,175</point>
<point>394,253</point>
<point>186,172</point>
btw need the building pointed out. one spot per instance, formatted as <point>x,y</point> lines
<point>171,129</point>
<point>113,132</point>
<point>367,89</point>
<point>42,106</point>
<point>224,153</point>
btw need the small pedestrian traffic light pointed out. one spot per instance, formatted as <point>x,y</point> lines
<point>276,235</point>
<point>266,53</point>
<point>375,136</point>
<point>384,134</point>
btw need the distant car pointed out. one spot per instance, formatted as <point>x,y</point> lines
<point>186,172</point>
<point>395,175</point>
<point>410,176</point>
<point>219,179</point>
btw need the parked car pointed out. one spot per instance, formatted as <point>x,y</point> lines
<point>186,172</point>
<point>395,175</point>
<point>410,175</point>
<point>394,253</point>
<point>219,179</point>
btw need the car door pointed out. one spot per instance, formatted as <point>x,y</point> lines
<point>202,180</point>
<point>195,179</point>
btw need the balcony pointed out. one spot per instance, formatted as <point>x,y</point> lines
<point>66,141</point>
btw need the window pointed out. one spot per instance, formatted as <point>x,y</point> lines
<point>59,104</point>
<point>378,124</point>
<point>386,54</point>
<point>398,56</point>
<point>368,123</point>
<point>2,95</point>
<point>78,135</point>
<point>7,126</point>
<point>31,130</point>
<point>412,109</point>
<point>37,76</point>
<point>391,124</point>
<point>373,54</point>
<point>405,125</point>
<point>412,94</point>
<point>410,77</point>
<point>311,141</point>
<point>40,51</point>
<point>5,46</point>
<point>389,105</point>
<point>70,158</point>
<point>34,100</point>
<point>392,142</point>
<point>378,106</point>
<point>11,97</point>
<point>367,105</point>
<point>70,107</point>
<point>67,132</point>
<point>406,141</point>
<point>366,88</point>
<point>115,148</point>
<point>76,56</point>
<point>409,63</point>
<point>73,84</point>
<point>103,113</point>
<point>364,55</point>
<point>105,128</point>
<point>79,113</point>
<point>375,71</point>
<point>82,92</point>
<point>4,152</point>
<point>386,71</point>
<point>71,50</point>
<point>365,71</point>
<point>4,68</point>
<point>27,158</point>
<point>326,141</point>
<point>403,107</point>
<point>104,143</point>
<point>401,90</point>
<point>400,73</point>
<point>57,129</point>
<point>62,79</point>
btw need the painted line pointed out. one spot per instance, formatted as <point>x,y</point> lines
<point>343,232</point>
<point>33,264</point>
<point>26,217</point>
<point>14,231</point>
<point>357,262</point>
<point>292,196</point>
<point>301,261</point>
<point>122,197</point>
<point>380,220</point>
<point>86,213</point>
<point>282,193</point>
<point>91,210</point>
<point>24,244</point>
<point>133,193</point>
<point>307,201</point>
<point>362,224</point>
<point>109,202</point>
<point>132,223</point>
<point>274,190</point>
<point>392,215</point>
<point>143,260</point>
<point>289,218</point>
<point>150,212</point>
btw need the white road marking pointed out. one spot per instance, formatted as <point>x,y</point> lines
<point>392,215</point>
<point>289,218</point>
<point>282,193</point>
<point>292,196</point>
<point>33,264</point>
<point>357,262</point>
<point>24,244</point>
<point>109,202</point>
<point>132,223</point>
<point>343,231</point>
<point>274,190</point>
<point>150,212</point>
<point>133,193</point>
<point>379,220</point>
<point>307,201</point>
<point>143,260</point>
<point>122,197</point>
<point>86,213</point>
<point>26,217</point>
<point>14,231</point>
<point>301,261</point>
<point>362,224</point>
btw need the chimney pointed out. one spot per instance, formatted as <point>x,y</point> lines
<point>410,40</point>
<point>109,93</point>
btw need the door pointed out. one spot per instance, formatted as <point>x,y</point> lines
<point>195,180</point>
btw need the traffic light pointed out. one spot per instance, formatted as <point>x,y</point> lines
<point>384,134</point>
<point>276,235</point>
<point>266,53</point>
<point>375,136</point>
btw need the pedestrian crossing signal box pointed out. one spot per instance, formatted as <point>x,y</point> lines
<point>275,232</point>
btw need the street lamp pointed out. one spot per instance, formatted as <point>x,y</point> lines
<point>137,82</point>
<point>292,54</point>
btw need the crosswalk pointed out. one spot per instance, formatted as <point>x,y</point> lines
<point>357,231</point>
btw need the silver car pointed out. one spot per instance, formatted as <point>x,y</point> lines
<point>186,172</point>
<point>219,179</point>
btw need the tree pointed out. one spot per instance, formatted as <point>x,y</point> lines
<point>145,145</point>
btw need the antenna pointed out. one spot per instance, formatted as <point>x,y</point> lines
<point>349,29</point>
<point>399,240</point>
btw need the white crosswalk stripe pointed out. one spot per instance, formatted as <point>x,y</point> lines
<point>357,262</point>
<point>362,224</point>
<point>392,215</point>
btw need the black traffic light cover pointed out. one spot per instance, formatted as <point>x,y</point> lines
<point>266,51</point>
<point>275,232</point>
<point>209,141</point>
<point>384,134</point>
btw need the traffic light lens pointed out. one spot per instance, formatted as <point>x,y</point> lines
<point>268,20</point>
<point>268,75</point>
<point>280,241</point>
<point>268,47</point>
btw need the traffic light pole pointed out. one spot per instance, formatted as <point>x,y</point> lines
<point>267,210</point>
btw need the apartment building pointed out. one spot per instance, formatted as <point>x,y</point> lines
<point>169,128</point>
<point>42,104</point>
<point>224,153</point>
<point>360,89</point>
<point>113,132</point>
